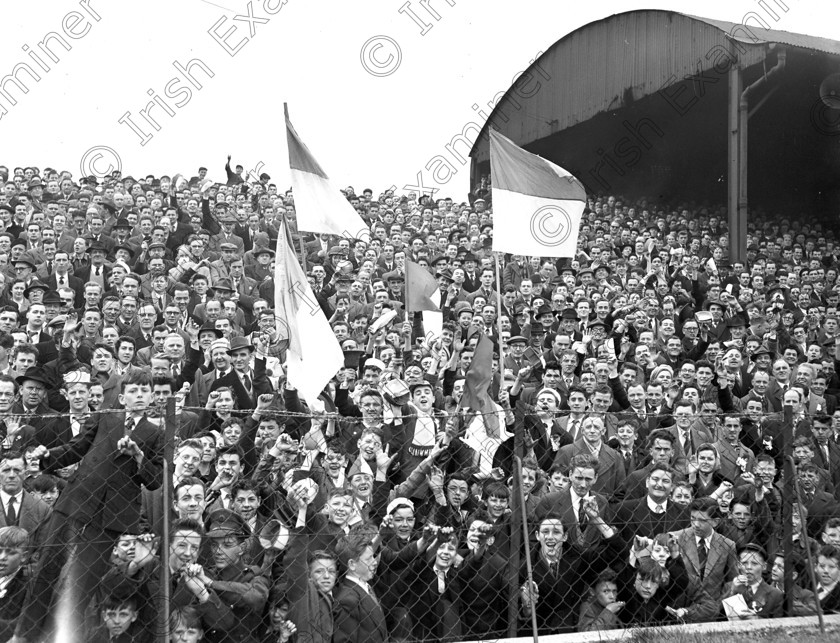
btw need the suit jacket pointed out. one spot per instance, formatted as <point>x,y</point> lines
<point>769,404</point>
<point>721,562</point>
<point>611,472</point>
<point>32,513</point>
<point>55,433</point>
<point>634,517</point>
<point>11,604</point>
<point>200,391</point>
<point>768,600</point>
<point>33,418</point>
<point>217,240</point>
<point>816,405</point>
<point>832,465</point>
<point>560,503</point>
<point>831,603</point>
<point>820,508</point>
<point>774,394</point>
<point>105,489</point>
<point>697,435</point>
<point>358,617</point>
<point>73,282</point>
<point>109,243</point>
<point>143,356</point>
<point>84,274</point>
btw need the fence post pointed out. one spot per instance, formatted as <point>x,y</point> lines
<point>526,536</point>
<point>803,529</point>
<point>170,425</point>
<point>787,505</point>
<point>515,519</point>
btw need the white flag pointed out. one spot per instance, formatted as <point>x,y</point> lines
<point>314,355</point>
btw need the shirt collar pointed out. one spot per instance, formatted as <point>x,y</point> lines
<point>652,505</point>
<point>358,582</point>
<point>4,498</point>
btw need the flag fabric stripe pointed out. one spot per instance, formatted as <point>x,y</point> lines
<point>516,170</point>
<point>310,336</point>
<point>535,226</point>
<point>420,285</point>
<point>320,205</point>
<point>300,158</point>
<point>479,375</point>
<point>322,208</point>
<point>432,319</point>
<point>537,206</point>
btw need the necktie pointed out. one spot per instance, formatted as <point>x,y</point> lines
<point>11,514</point>
<point>702,555</point>
<point>176,371</point>
<point>628,462</point>
<point>76,423</point>
<point>687,444</point>
<point>658,509</point>
<point>246,380</point>
<point>130,424</point>
<point>583,519</point>
<point>441,581</point>
<point>826,457</point>
<point>49,267</point>
<point>749,597</point>
<point>573,429</point>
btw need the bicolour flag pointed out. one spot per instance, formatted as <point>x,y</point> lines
<point>477,380</point>
<point>537,205</point>
<point>314,355</point>
<point>321,207</point>
<point>420,288</point>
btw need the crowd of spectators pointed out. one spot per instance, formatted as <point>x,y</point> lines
<point>638,399</point>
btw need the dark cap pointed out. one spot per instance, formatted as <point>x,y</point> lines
<point>224,522</point>
<point>36,374</point>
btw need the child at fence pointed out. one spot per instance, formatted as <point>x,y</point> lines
<point>191,585</point>
<point>119,622</point>
<point>599,611</point>
<point>14,550</point>
<point>279,629</point>
<point>431,591</point>
<point>46,487</point>
<point>645,605</point>
<point>804,600</point>
<point>683,600</point>
<point>828,579</point>
<point>831,532</point>
<point>238,585</point>
<point>682,494</point>
<point>185,626</point>
<point>557,576</point>
<point>762,599</point>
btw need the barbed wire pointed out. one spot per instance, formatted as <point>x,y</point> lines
<point>624,414</point>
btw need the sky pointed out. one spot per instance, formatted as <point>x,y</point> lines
<point>375,89</point>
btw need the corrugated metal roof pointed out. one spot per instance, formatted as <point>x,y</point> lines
<point>803,41</point>
<point>608,64</point>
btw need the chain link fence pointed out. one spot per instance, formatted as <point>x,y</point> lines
<point>278,525</point>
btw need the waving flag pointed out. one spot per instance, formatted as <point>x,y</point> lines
<point>310,336</point>
<point>420,288</point>
<point>478,377</point>
<point>537,206</point>
<point>320,205</point>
